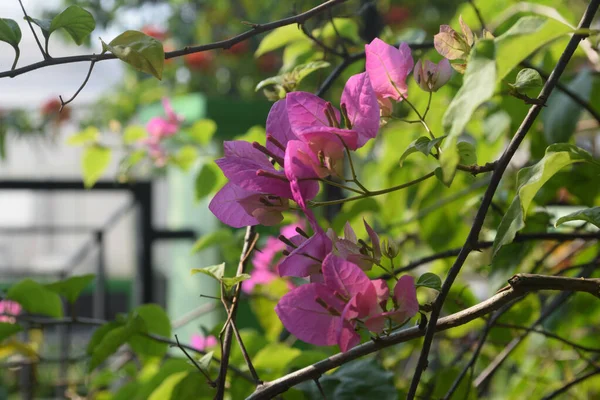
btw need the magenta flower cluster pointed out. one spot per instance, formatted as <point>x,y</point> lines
<point>307,139</point>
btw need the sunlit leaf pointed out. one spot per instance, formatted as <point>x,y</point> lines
<point>94,162</point>
<point>218,237</point>
<point>523,38</point>
<point>279,38</point>
<point>139,50</point>
<point>429,280</point>
<point>214,271</point>
<point>477,88</point>
<point>86,136</point>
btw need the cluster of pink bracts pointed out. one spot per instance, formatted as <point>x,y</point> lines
<point>306,141</point>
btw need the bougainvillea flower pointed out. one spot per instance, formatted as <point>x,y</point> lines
<point>160,128</point>
<point>10,309</point>
<point>256,191</point>
<point>238,207</point>
<point>405,302</point>
<point>265,261</point>
<point>278,128</point>
<point>202,343</point>
<point>306,259</point>
<point>349,248</point>
<point>388,68</point>
<point>362,108</point>
<point>431,76</point>
<point>324,313</point>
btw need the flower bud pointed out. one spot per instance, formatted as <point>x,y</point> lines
<point>430,76</point>
<point>390,248</point>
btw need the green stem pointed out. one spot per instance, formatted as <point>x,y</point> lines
<point>372,194</point>
<point>342,186</point>
<point>17,54</point>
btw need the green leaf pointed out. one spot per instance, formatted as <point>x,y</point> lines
<point>430,280</point>
<point>35,298</point>
<point>203,131</point>
<point>220,236</point>
<point>166,388</point>
<point>186,157</point>
<point>231,282</point>
<point>526,36</point>
<point>273,359</point>
<point>263,306</point>
<point>529,181</point>
<point>139,50</point>
<point>527,78</point>
<point>274,80</point>
<point>99,334</point>
<point>467,153</point>
<point>112,340</point>
<point>591,215</point>
<point>71,287</point>
<point>206,181</point>
<point>477,88</point>
<point>561,115</point>
<point>363,379</point>
<point>7,329</point>
<point>214,271</point>
<point>421,144</point>
<point>302,71</point>
<point>89,135</point>
<point>279,38</point>
<point>204,361</point>
<point>78,23</point>
<point>10,32</point>
<point>156,322</point>
<point>133,134</point>
<point>94,162</point>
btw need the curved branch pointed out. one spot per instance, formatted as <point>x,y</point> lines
<point>501,166</point>
<point>222,44</point>
<point>521,285</point>
<point>85,81</point>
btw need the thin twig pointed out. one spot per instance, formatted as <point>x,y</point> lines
<point>221,44</point>
<point>478,13</point>
<point>85,81</point>
<point>44,54</point>
<point>484,376</point>
<point>249,241</point>
<point>521,286</point>
<point>503,162</point>
<point>569,385</point>
<point>198,367</point>
<point>319,42</point>
<point>548,334</point>
<point>245,354</point>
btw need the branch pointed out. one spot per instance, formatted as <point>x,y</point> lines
<point>249,242</point>
<point>521,285</point>
<point>484,376</point>
<point>519,238</point>
<point>208,380</point>
<point>85,81</point>
<point>222,44</point>
<point>42,321</point>
<point>571,384</point>
<point>44,54</point>
<point>501,166</point>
